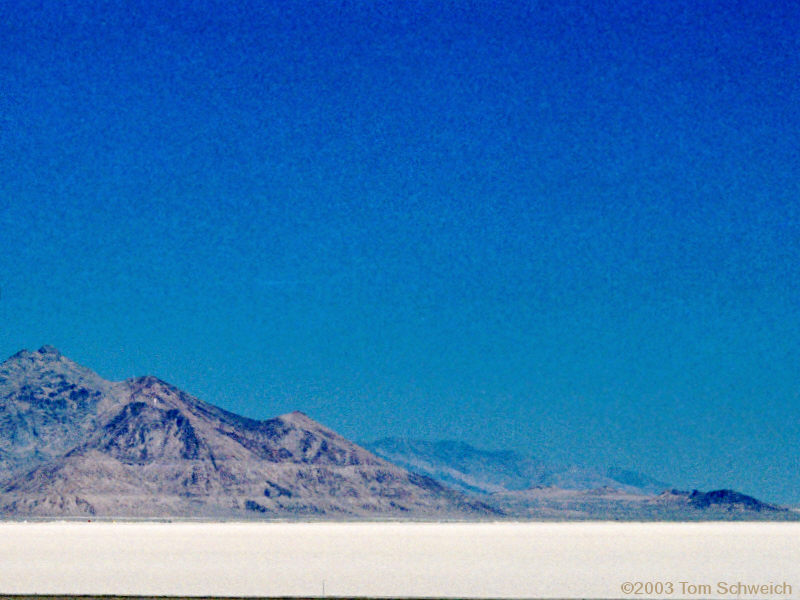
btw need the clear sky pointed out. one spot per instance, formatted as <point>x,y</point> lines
<point>566,228</point>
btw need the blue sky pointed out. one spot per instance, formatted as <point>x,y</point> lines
<point>572,230</point>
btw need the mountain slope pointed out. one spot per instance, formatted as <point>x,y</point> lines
<point>144,448</point>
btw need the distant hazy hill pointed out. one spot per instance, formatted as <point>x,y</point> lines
<point>489,471</point>
<point>72,443</point>
<point>523,487</point>
<point>615,504</point>
<point>728,501</point>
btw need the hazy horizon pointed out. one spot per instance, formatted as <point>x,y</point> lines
<point>570,230</point>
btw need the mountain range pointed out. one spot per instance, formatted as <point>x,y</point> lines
<point>73,444</point>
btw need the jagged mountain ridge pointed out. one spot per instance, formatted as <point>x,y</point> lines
<point>475,470</point>
<point>75,444</point>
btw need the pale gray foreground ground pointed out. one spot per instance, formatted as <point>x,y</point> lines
<point>513,560</point>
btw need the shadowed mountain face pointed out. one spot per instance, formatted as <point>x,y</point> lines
<point>75,444</point>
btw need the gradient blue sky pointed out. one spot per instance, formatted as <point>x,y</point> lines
<point>567,229</point>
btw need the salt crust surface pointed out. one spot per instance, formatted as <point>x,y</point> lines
<point>472,560</point>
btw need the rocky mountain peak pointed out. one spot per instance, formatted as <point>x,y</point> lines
<point>299,419</point>
<point>44,353</point>
<point>46,363</point>
<point>50,351</point>
<point>150,387</point>
<point>47,405</point>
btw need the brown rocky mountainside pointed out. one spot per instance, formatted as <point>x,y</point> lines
<point>72,444</point>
